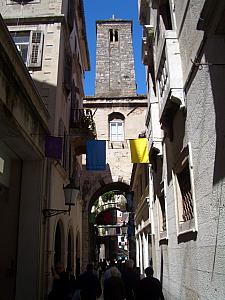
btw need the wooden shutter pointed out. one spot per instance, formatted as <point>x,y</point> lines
<point>67,73</point>
<point>35,51</point>
<point>71,14</point>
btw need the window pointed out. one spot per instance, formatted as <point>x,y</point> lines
<point>113,35</point>
<point>116,36</point>
<point>116,130</point>
<point>164,11</point>
<point>67,74</point>
<point>184,192</point>
<point>29,44</point>
<point>162,216</point>
<point>71,14</point>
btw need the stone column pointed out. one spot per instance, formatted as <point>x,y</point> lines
<point>137,251</point>
<point>145,250</point>
<point>141,253</point>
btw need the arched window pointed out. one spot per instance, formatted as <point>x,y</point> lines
<point>70,251</point>
<point>116,36</point>
<point>116,127</point>
<point>78,255</point>
<point>58,245</point>
<point>111,35</point>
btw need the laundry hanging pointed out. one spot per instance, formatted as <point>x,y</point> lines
<point>96,155</point>
<point>139,151</point>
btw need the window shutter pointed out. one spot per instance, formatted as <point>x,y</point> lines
<point>113,129</point>
<point>71,14</point>
<point>120,131</point>
<point>68,73</point>
<point>35,51</point>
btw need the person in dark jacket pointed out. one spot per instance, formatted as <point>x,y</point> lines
<point>64,283</point>
<point>113,286</point>
<point>130,279</point>
<point>89,284</point>
<point>150,287</point>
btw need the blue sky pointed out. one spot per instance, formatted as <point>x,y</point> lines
<point>104,9</point>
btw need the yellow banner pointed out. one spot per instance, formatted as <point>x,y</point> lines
<point>139,151</point>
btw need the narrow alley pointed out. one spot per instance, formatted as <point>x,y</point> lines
<point>112,135</point>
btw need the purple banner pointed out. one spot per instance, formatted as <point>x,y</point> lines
<point>53,147</point>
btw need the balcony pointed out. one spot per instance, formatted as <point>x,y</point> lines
<point>147,44</point>
<point>82,128</point>
<point>169,78</point>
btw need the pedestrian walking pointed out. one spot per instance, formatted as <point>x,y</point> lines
<point>64,283</point>
<point>107,273</point>
<point>89,284</point>
<point>150,287</point>
<point>113,286</point>
<point>131,280</point>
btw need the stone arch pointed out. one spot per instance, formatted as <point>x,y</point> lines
<point>78,254</point>
<point>116,115</point>
<point>59,243</point>
<point>88,230</point>
<point>120,186</point>
<point>70,249</point>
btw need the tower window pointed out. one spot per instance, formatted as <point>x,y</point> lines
<point>111,35</point>
<point>116,35</point>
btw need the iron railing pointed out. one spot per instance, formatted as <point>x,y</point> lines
<point>82,119</point>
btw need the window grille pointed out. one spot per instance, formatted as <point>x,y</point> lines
<point>185,188</point>
<point>163,213</point>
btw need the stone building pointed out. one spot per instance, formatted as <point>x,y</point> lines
<point>118,112</point>
<point>183,52</point>
<point>51,38</point>
<point>23,125</point>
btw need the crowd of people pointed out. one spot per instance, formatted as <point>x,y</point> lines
<point>114,280</point>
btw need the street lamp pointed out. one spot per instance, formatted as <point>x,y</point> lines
<point>70,193</point>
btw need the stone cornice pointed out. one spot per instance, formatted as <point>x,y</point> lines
<point>131,101</point>
<point>113,21</point>
<point>36,20</point>
<point>94,98</point>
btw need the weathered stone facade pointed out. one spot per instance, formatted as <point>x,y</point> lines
<point>114,59</point>
<point>51,38</point>
<point>23,126</point>
<point>183,51</point>
<point>113,102</point>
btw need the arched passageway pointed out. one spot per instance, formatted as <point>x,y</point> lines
<point>105,236</point>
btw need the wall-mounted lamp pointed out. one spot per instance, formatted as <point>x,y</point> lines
<point>70,193</point>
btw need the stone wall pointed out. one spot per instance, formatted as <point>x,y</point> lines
<point>193,268</point>
<point>114,60</point>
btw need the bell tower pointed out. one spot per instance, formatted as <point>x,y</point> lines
<point>115,74</point>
